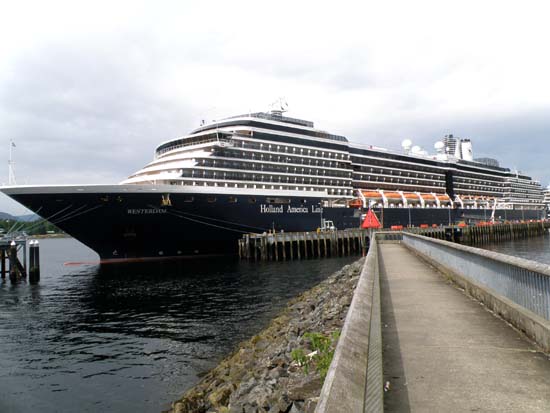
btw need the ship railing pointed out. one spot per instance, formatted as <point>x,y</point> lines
<point>295,121</point>
<point>279,118</point>
<point>221,141</point>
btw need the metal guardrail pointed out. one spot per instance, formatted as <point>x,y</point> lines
<point>354,382</point>
<point>389,235</point>
<point>526,283</point>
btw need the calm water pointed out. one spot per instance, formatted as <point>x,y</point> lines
<point>535,249</point>
<point>131,338</point>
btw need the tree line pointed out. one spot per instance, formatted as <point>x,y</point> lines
<point>38,227</point>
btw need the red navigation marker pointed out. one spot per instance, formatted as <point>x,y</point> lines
<point>370,221</point>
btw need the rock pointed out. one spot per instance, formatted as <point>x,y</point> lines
<point>220,396</point>
<point>277,372</point>
<point>261,375</point>
<point>282,403</point>
<point>310,405</point>
<point>303,388</point>
<point>297,407</point>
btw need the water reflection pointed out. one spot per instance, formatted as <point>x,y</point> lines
<point>131,337</point>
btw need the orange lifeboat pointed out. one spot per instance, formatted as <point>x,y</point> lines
<point>428,197</point>
<point>355,203</point>
<point>392,195</point>
<point>372,194</point>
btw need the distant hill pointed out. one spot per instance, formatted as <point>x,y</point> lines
<point>22,218</point>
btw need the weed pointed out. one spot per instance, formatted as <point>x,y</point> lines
<point>323,347</point>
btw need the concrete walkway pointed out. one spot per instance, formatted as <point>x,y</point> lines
<point>444,352</point>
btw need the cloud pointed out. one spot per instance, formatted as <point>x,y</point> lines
<point>89,90</point>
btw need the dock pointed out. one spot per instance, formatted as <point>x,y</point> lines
<point>483,233</point>
<point>13,259</point>
<point>439,326</point>
<point>282,246</point>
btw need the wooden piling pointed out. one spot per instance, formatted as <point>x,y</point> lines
<point>318,244</point>
<point>3,262</point>
<point>34,262</point>
<point>12,252</point>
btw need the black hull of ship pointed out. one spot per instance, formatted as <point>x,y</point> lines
<point>125,226</point>
<point>122,225</point>
<point>445,216</point>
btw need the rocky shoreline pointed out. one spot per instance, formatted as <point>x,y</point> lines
<point>261,375</point>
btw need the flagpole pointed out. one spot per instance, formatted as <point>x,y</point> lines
<point>11,174</point>
<point>9,165</point>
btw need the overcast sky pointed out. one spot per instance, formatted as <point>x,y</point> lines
<point>88,89</point>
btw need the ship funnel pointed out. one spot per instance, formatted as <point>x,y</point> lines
<point>466,149</point>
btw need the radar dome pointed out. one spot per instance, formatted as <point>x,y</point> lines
<point>406,144</point>
<point>439,146</point>
<point>416,149</point>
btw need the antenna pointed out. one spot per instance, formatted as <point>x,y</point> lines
<point>11,163</point>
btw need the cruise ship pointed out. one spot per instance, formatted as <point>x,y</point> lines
<point>266,171</point>
<point>546,201</point>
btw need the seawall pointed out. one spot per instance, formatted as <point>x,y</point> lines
<point>261,376</point>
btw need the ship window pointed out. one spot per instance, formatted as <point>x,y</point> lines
<point>278,201</point>
<point>251,200</point>
<point>188,199</point>
<point>211,199</point>
<point>232,199</point>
